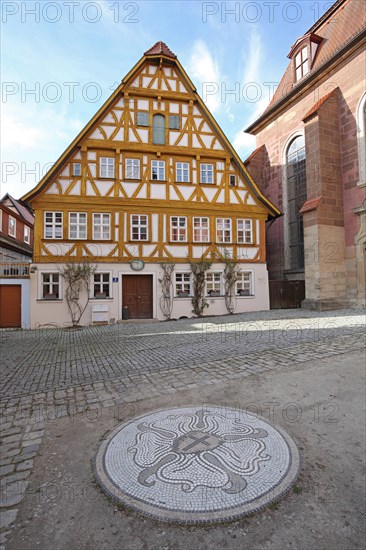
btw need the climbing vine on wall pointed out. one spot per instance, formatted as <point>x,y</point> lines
<point>199,301</point>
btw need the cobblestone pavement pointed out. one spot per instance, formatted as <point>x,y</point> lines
<point>51,373</point>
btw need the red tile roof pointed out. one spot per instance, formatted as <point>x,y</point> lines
<point>22,210</point>
<point>311,204</point>
<point>343,21</point>
<point>254,154</point>
<point>319,103</point>
<point>160,49</point>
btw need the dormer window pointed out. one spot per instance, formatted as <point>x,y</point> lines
<point>301,64</point>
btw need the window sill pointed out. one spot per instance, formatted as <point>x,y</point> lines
<point>105,178</point>
<point>158,181</point>
<point>245,296</point>
<point>209,184</point>
<point>94,299</point>
<point>46,301</point>
<point>133,241</point>
<point>361,184</point>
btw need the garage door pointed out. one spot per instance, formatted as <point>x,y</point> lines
<point>10,306</point>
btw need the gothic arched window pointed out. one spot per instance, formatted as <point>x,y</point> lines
<point>296,196</point>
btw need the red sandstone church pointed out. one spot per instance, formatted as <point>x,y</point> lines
<point>310,160</point>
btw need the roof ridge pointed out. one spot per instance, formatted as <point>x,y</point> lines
<point>160,48</point>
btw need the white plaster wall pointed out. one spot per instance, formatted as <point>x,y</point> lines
<point>55,312</point>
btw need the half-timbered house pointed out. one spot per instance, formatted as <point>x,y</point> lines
<point>151,179</point>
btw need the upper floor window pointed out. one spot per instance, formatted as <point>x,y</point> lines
<point>174,122</point>
<point>223,230</point>
<point>77,225</point>
<point>101,285</point>
<point>53,225</point>
<point>245,231</point>
<point>159,129</point>
<point>178,226</point>
<point>201,230</point>
<point>12,227</point>
<point>27,234</point>
<point>142,118</point>
<point>158,170</point>
<point>76,169</point>
<point>132,169</point>
<point>301,64</point>
<point>106,167</point>
<point>139,227</point>
<point>182,171</point>
<point>232,180</point>
<point>207,173</point>
<point>102,227</point>
<point>50,286</point>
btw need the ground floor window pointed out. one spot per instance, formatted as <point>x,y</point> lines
<point>244,284</point>
<point>50,286</point>
<point>213,283</point>
<point>182,284</point>
<point>102,285</point>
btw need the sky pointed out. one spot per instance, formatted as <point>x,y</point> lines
<point>61,60</point>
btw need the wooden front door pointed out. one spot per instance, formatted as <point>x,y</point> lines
<point>10,306</point>
<point>137,295</point>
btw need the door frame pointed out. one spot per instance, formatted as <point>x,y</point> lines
<point>120,290</point>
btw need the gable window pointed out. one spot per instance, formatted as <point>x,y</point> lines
<point>50,286</point>
<point>213,283</point>
<point>142,118</point>
<point>139,227</point>
<point>223,230</point>
<point>101,285</point>
<point>296,196</point>
<point>182,284</point>
<point>53,225</point>
<point>201,230</point>
<point>26,234</point>
<point>12,225</point>
<point>174,122</point>
<point>182,171</point>
<point>159,129</point>
<point>207,173</point>
<point>232,180</point>
<point>77,225</point>
<point>102,227</point>
<point>106,167</point>
<point>301,64</point>
<point>76,169</point>
<point>132,169</point>
<point>245,231</point>
<point>244,284</point>
<point>158,170</point>
<point>178,227</point>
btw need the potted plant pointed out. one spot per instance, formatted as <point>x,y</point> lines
<point>100,295</point>
<point>214,293</point>
<point>243,292</point>
<point>183,294</point>
<point>50,296</point>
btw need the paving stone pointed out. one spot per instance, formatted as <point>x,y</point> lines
<point>6,469</point>
<point>26,465</point>
<point>11,439</point>
<point>7,517</point>
<point>12,493</point>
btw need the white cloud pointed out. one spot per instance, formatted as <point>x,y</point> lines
<point>243,143</point>
<point>253,57</point>
<point>203,68</point>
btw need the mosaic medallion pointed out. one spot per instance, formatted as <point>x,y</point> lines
<point>197,464</point>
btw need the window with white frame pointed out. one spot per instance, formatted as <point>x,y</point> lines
<point>139,227</point>
<point>12,227</point>
<point>245,231</point>
<point>301,64</point>
<point>244,284</point>
<point>50,286</point>
<point>53,225</point>
<point>77,225</point>
<point>201,230</point>
<point>158,170</point>
<point>106,168</point>
<point>27,234</point>
<point>183,284</point>
<point>213,282</point>
<point>132,169</point>
<point>76,169</point>
<point>101,227</point>
<point>102,285</point>
<point>223,230</point>
<point>207,173</point>
<point>178,228</point>
<point>182,171</point>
